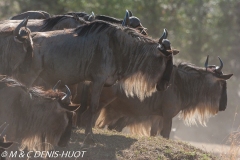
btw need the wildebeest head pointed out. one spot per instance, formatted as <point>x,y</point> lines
<point>205,94</point>
<point>165,48</point>
<point>65,102</point>
<point>155,69</point>
<point>220,81</point>
<point>133,22</point>
<point>17,53</point>
<point>22,35</point>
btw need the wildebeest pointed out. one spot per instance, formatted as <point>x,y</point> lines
<point>102,53</point>
<point>134,22</point>
<point>16,42</point>
<point>54,23</point>
<point>31,15</point>
<point>15,49</point>
<point>195,92</point>
<point>34,113</point>
<point>3,143</point>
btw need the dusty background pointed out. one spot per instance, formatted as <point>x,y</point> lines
<point>196,28</point>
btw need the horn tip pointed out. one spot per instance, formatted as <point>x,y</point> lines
<point>165,30</point>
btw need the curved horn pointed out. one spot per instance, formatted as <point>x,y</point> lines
<point>68,93</point>
<point>126,19</point>
<point>22,24</point>
<point>93,14</point>
<point>163,36</point>
<point>219,69</point>
<point>4,130</point>
<point>130,13</point>
<point>206,63</point>
<point>56,85</point>
<point>166,33</point>
<point>91,17</point>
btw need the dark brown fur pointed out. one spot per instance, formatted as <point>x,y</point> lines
<point>102,53</point>
<point>32,15</point>
<point>54,23</point>
<point>194,92</point>
<point>134,21</point>
<point>33,113</point>
<point>15,50</point>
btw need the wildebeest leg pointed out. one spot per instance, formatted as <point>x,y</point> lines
<point>84,102</point>
<point>167,126</point>
<point>157,125</point>
<point>119,125</point>
<point>95,96</point>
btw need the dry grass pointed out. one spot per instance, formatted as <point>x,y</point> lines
<point>233,153</point>
<point>234,141</point>
<point>118,146</point>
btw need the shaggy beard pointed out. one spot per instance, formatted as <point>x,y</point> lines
<point>35,144</point>
<point>139,85</point>
<point>200,113</point>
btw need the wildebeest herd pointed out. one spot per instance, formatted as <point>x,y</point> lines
<point>119,75</point>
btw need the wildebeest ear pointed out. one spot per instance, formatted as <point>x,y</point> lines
<point>5,145</point>
<point>72,107</point>
<point>33,35</point>
<point>175,52</point>
<point>126,20</point>
<point>226,76</point>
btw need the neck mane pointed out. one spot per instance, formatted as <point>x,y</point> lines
<point>132,51</point>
